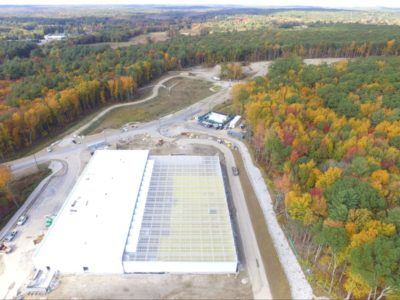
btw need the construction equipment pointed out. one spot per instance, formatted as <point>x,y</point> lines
<point>38,239</point>
<point>10,236</point>
<point>235,171</point>
<point>48,221</point>
<point>5,248</point>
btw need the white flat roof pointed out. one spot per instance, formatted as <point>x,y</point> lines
<point>131,212</point>
<point>217,118</point>
<point>234,121</point>
<point>92,226</point>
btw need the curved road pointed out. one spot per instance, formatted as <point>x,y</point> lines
<point>175,124</point>
<point>154,93</point>
<point>46,199</point>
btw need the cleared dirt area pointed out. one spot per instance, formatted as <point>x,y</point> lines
<point>180,93</point>
<point>152,286</point>
<point>152,37</point>
<point>276,275</point>
<point>143,39</point>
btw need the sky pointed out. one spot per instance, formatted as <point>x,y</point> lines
<point>320,3</point>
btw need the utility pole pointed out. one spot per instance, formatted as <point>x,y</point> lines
<point>105,136</point>
<point>34,157</point>
<point>159,125</point>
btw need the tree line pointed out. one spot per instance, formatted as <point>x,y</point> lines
<point>59,83</point>
<point>329,138</point>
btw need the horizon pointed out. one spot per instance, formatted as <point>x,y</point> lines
<point>323,4</point>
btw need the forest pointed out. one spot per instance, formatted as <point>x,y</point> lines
<point>56,84</point>
<point>329,138</point>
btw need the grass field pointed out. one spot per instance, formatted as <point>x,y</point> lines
<point>184,92</point>
<point>143,39</point>
<point>226,107</point>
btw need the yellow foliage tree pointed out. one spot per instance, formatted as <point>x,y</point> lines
<point>356,286</point>
<point>298,206</point>
<point>372,229</point>
<point>379,180</point>
<point>325,180</point>
<point>341,65</point>
<point>5,176</point>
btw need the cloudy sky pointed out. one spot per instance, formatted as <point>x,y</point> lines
<point>324,3</point>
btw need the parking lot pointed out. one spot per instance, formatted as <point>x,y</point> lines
<point>17,266</point>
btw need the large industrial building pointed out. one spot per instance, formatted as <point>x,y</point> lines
<point>131,212</point>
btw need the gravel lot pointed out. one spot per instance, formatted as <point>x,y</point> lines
<point>152,286</point>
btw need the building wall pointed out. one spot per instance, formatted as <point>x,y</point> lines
<point>180,267</point>
<point>77,265</point>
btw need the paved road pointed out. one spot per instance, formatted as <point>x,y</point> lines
<point>300,288</point>
<point>58,168</point>
<point>258,68</point>
<point>154,93</point>
<point>47,199</point>
<point>169,125</point>
<point>253,260</point>
<point>114,135</point>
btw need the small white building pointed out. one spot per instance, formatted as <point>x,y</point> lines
<point>217,118</point>
<point>54,37</point>
<point>233,123</point>
<point>130,212</point>
<point>214,119</point>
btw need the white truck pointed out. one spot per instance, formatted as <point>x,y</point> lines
<point>233,123</point>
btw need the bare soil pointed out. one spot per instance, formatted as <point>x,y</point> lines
<point>143,39</point>
<point>152,286</point>
<point>278,282</point>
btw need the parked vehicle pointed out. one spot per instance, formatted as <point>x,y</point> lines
<point>55,143</point>
<point>22,220</point>
<point>10,236</point>
<point>236,134</point>
<point>235,171</point>
<point>49,149</point>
